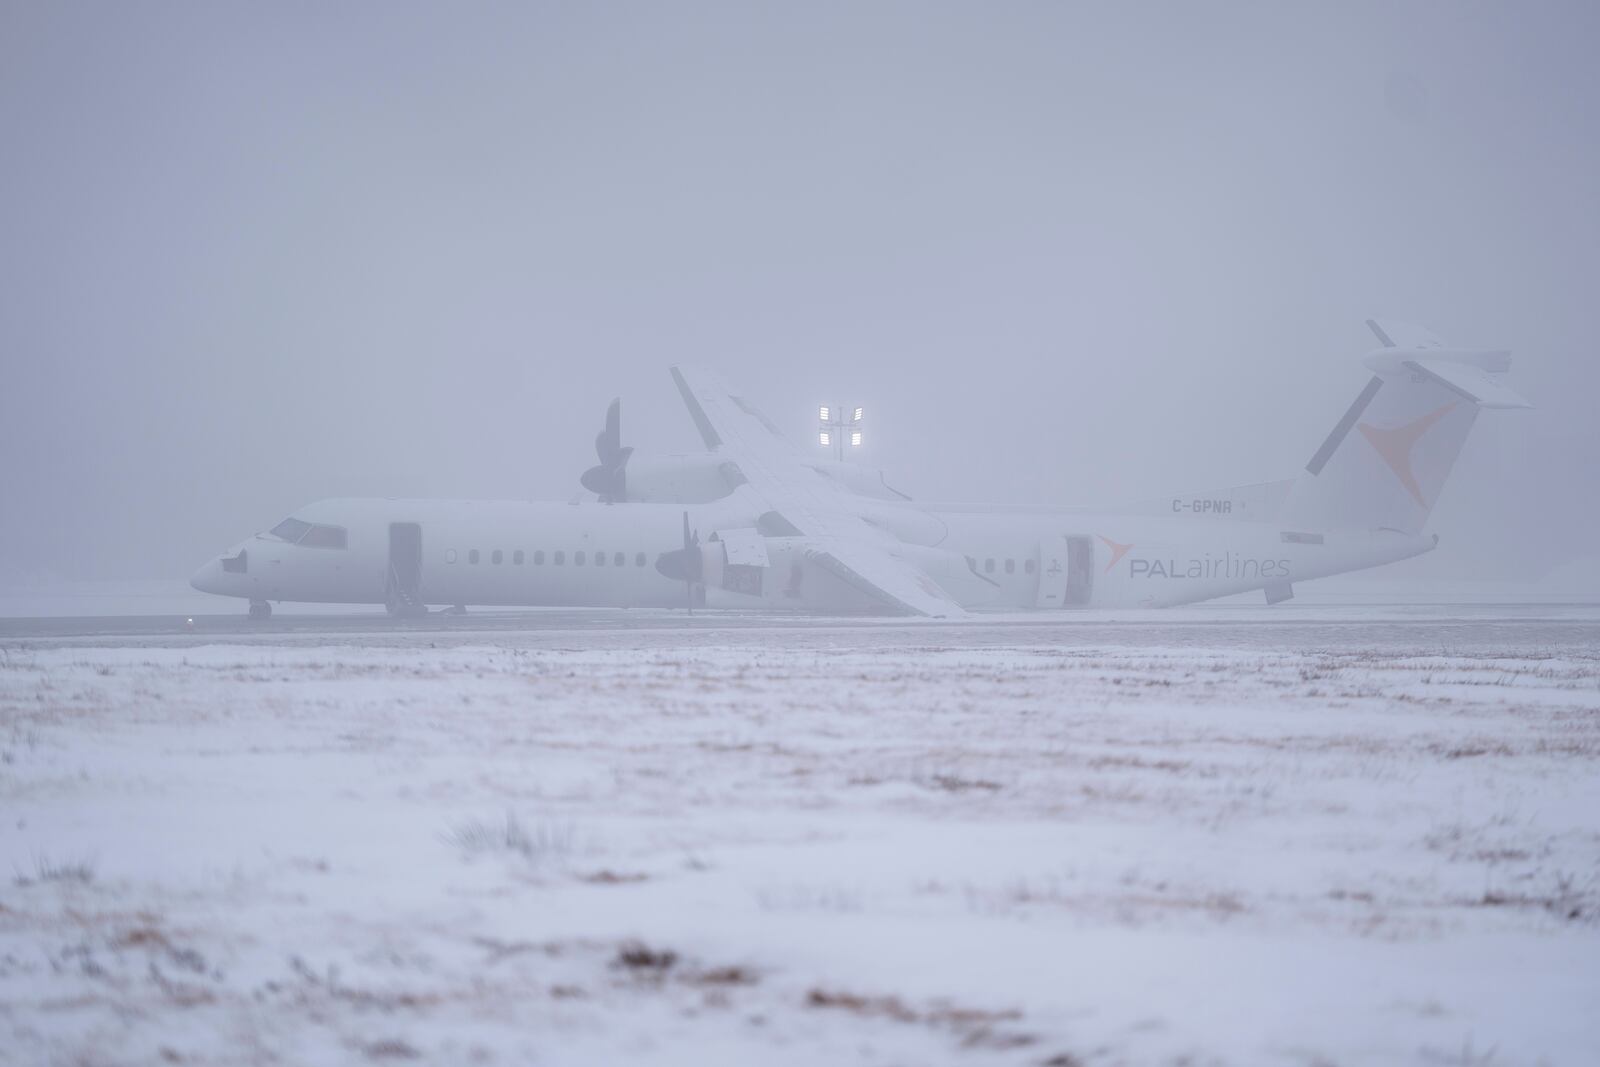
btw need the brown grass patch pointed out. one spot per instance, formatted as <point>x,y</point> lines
<point>724,976</point>
<point>642,959</point>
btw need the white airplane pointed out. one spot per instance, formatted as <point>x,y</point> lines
<point>784,531</point>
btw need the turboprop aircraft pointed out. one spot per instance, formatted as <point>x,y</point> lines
<point>752,522</point>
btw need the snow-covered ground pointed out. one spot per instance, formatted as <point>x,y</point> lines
<point>950,845</point>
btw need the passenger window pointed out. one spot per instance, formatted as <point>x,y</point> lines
<point>560,557</point>
<point>516,557</point>
<point>638,561</point>
<point>577,559</point>
<point>988,566</point>
<point>1011,566</point>
<point>538,557</point>
<point>324,537</point>
<point>496,557</point>
<point>972,564</point>
<point>472,556</point>
<point>619,560</point>
<point>450,555</point>
<point>1027,566</point>
<point>599,559</point>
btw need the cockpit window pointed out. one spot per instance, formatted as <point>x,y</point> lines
<point>291,530</point>
<point>324,537</point>
<point>300,532</point>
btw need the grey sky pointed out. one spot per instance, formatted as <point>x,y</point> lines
<point>255,255</point>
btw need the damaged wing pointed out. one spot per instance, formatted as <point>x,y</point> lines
<point>844,544</point>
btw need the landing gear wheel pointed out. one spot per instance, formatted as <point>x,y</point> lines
<point>260,609</point>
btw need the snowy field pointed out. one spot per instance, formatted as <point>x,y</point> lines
<point>813,845</point>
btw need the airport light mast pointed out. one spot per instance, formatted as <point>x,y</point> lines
<point>835,425</point>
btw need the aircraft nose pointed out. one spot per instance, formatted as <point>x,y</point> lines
<point>205,579</point>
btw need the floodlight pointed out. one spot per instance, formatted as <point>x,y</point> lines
<point>838,425</point>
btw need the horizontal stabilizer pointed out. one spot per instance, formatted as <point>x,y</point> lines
<point>1472,380</point>
<point>1392,333</point>
<point>1470,373</point>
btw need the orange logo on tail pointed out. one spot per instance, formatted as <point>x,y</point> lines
<point>1395,447</point>
<point>1117,551</point>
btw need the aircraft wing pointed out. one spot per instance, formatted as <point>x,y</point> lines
<point>887,578</point>
<point>846,545</point>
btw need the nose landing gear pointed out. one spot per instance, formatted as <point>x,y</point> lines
<point>260,609</point>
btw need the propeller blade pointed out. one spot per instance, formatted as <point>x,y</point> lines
<point>690,559</point>
<point>608,442</point>
<point>684,563</point>
<point>609,480</point>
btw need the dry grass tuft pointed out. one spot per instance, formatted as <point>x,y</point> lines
<point>391,1048</point>
<point>724,976</point>
<point>545,841</point>
<point>951,783</point>
<point>856,1004</point>
<point>977,1027</point>
<point>46,870</point>
<point>640,958</point>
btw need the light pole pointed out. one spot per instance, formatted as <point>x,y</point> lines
<point>836,425</point>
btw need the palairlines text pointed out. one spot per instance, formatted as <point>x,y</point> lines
<point>1226,565</point>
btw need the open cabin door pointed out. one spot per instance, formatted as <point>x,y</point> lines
<point>403,591</point>
<point>1066,572</point>
<point>1080,571</point>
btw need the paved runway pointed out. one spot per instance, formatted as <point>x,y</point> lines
<point>1505,629</point>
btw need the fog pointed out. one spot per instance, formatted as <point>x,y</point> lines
<point>256,255</point>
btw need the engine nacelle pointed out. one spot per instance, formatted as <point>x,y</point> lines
<point>698,478</point>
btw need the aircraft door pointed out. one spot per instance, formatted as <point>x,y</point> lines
<point>1080,571</point>
<point>1053,560</point>
<point>403,589</point>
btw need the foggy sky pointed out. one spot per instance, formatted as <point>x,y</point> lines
<point>256,255</point>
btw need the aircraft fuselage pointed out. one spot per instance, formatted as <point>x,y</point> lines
<point>515,553</point>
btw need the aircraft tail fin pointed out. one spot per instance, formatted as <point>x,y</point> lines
<point>1387,459</point>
